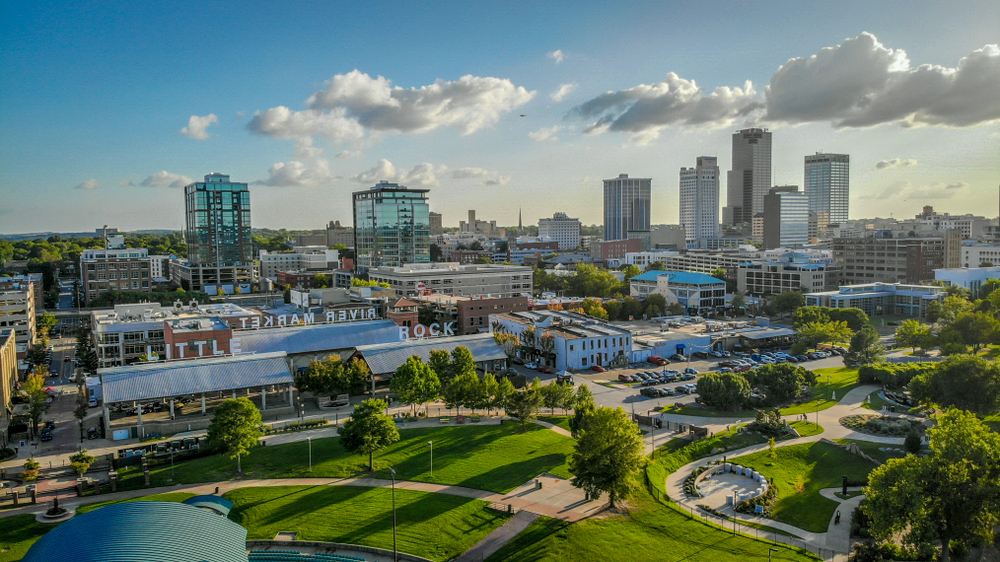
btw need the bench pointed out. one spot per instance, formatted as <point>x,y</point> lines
<point>444,420</point>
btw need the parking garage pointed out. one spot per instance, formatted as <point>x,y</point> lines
<point>166,398</point>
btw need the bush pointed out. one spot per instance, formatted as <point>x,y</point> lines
<point>913,441</point>
<point>6,453</point>
<point>892,375</point>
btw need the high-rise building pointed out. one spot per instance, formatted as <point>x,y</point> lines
<point>750,178</point>
<point>435,223</point>
<point>828,183</point>
<point>699,200</point>
<point>391,226</point>
<point>219,241</point>
<point>626,206</point>
<point>562,229</point>
<point>786,217</point>
<point>125,270</point>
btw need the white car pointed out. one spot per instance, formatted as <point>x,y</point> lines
<point>530,366</point>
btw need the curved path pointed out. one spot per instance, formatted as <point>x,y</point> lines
<point>837,535</point>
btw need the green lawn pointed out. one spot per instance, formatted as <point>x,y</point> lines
<point>489,457</point>
<point>561,421</point>
<point>842,380</point>
<point>651,532</point>
<point>806,428</point>
<point>873,449</point>
<point>817,465</point>
<point>19,532</point>
<point>679,452</point>
<point>875,402</point>
<point>435,526</point>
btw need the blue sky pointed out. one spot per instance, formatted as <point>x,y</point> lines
<point>95,97</point>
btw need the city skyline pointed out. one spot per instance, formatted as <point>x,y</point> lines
<point>111,109</point>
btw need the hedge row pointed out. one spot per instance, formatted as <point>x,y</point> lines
<point>893,375</point>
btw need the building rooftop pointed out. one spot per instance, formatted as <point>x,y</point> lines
<point>319,337</point>
<point>386,358</point>
<point>679,277</point>
<point>182,325</point>
<point>105,319</point>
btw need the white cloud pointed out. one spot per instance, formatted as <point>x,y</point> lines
<point>89,184</point>
<point>284,123</point>
<point>648,108</point>
<point>545,134</point>
<point>562,92</point>
<point>197,125</point>
<point>306,150</point>
<point>349,154</point>
<point>489,177</point>
<point>861,83</point>
<point>296,173</point>
<point>905,190</point>
<point>895,163</point>
<point>499,180</point>
<point>165,179</point>
<point>556,55</point>
<point>423,175</point>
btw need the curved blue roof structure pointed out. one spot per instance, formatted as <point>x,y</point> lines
<point>217,504</point>
<point>143,530</point>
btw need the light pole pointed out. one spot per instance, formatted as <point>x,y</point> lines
<point>769,551</point>
<point>310,440</point>
<point>393,472</point>
<point>828,387</point>
<point>431,443</point>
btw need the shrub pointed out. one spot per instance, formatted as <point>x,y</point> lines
<point>913,441</point>
<point>6,453</point>
<point>892,375</point>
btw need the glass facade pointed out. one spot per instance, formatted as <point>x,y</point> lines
<point>827,183</point>
<point>218,222</point>
<point>750,178</point>
<point>391,226</point>
<point>626,206</point>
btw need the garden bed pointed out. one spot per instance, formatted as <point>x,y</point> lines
<point>885,426</point>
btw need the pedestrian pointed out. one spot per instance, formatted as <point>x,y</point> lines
<point>836,520</point>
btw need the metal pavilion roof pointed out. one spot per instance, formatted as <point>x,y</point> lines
<point>317,338</point>
<point>161,380</point>
<point>386,358</point>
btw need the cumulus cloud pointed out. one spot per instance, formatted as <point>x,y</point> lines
<point>862,83</point>
<point>284,123</point>
<point>562,92</point>
<point>647,108</point>
<point>349,154</point>
<point>165,179</point>
<point>89,184</point>
<point>859,83</point>
<point>545,134</point>
<point>905,190</point>
<point>895,163</point>
<point>197,125</point>
<point>296,173</point>
<point>489,177</point>
<point>423,175</point>
<point>499,180</point>
<point>556,55</point>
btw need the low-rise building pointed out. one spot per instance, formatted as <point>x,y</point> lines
<point>971,278</point>
<point>503,281</point>
<point>470,315</point>
<point>611,249</point>
<point>566,340</point>
<point>698,293</point>
<point>878,299</point>
<point>305,258</point>
<point>792,272</point>
<point>976,255</point>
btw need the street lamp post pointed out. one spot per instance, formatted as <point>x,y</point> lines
<point>431,443</point>
<point>393,472</point>
<point>769,551</point>
<point>310,440</point>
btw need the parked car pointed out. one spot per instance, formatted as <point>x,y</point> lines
<point>649,392</point>
<point>625,378</point>
<point>564,379</point>
<point>46,435</point>
<point>700,354</point>
<point>546,370</point>
<point>667,392</point>
<point>741,368</point>
<point>691,371</point>
<point>677,357</point>
<point>530,366</point>
<point>682,390</point>
<point>686,377</point>
<point>50,424</point>
<point>598,368</point>
<point>650,382</point>
<point>92,433</point>
<point>656,360</point>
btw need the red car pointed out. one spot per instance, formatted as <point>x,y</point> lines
<point>598,368</point>
<point>625,378</point>
<point>546,370</point>
<point>657,360</point>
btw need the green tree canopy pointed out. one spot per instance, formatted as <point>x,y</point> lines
<point>415,382</point>
<point>977,328</point>
<point>38,400</point>
<point>951,494</point>
<point>815,333</point>
<point>780,381</point>
<point>865,348</point>
<point>235,428</point>
<point>557,396</point>
<point>962,381</point>
<point>369,430</point>
<point>593,307</point>
<point>726,391</point>
<point>608,455</point>
<point>583,405</point>
<point>655,303</point>
<point>525,403</point>
<point>440,363</point>
<point>332,376</point>
<point>789,301</point>
<point>913,334</point>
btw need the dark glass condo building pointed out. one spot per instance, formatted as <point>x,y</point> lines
<point>391,226</point>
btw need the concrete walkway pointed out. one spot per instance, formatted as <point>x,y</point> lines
<point>499,537</point>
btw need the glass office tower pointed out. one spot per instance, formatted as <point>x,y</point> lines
<point>828,185</point>
<point>218,222</point>
<point>391,226</point>
<point>626,206</point>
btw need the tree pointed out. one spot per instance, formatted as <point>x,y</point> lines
<point>331,376</point>
<point>489,387</point>
<point>525,403</point>
<point>656,266</point>
<point>913,441</point>
<point>815,333</point>
<point>952,308</point>
<point>45,322</point>
<point>461,391</point>
<point>719,273</point>
<point>583,406</point>
<point>608,455</point>
<point>38,399</point>
<point>631,309</point>
<point>462,362</point>
<point>31,467</point>
<point>82,407</point>
<point>865,348</point>
<point>321,280</point>
<point>977,328</point>
<point>726,391</point>
<point>369,430</point>
<point>235,428</point>
<point>933,312</point>
<point>913,334</point>
<point>593,307</point>
<point>415,382</point>
<point>614,309</point>
<point>36,356</point>
<point>788,301</point>
<point>500,400</point>
<point>81,461</point>
<point>655,303</point>
<point>952,494</point>
<point>631,271</point>
<point>440,363</point>
<point>780,381</point>
<point>963,381</point>
<point>557,396</point>
<point>739,303</point>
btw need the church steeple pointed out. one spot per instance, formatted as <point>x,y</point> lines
<point>520,226</point>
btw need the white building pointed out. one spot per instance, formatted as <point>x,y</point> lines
<point>159,267</point>
<point>696,292</point>
<point>456,279</point>
<point>307,258</point>
<point>699,200</point>
<point>562,229</point>
<point>877,299</point>
<point>579,341</point>
<point>975,254</point>
<point>971,278</point>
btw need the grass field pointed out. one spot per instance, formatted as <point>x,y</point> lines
<point>19,532</point>
<point>561,421</point>
<point>809,467</point>
<point>650,532</point>
<point>488,457</point>
<point>435,526</point>
<point>806,428</point>
<point>679,452</point>
<point>874,451</point>
<point>841,381</point>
